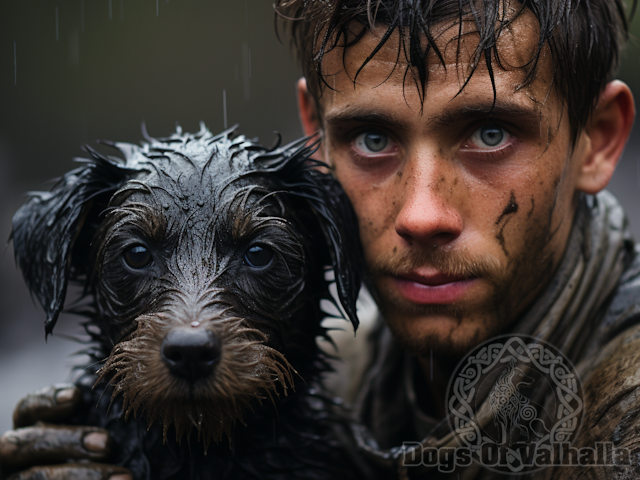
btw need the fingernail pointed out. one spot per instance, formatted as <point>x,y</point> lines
<point>65,395</point>
<point>120,476</point>
<point>95,442</point>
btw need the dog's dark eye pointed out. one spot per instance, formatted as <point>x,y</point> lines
<point>137,257</point>
<point>258,256</point>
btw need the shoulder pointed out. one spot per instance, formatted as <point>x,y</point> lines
<point>611,394</point>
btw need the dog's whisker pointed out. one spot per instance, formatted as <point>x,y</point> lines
<point>91,365</point>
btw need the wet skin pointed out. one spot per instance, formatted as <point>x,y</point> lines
<point>436,182</point>
<point>464,209</point>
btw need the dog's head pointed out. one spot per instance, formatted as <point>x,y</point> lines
<point>205,258</point>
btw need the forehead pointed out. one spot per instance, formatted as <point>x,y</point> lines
<point>458,71</point>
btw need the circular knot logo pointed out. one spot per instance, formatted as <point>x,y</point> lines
<point>515,403</point>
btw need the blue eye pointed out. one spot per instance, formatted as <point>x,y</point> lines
<point>258,256</point>
<point>491,135</point>
<point>372,142</point>
<point>137,257</point>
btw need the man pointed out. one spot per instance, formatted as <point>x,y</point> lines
<point>468,136</point>
<point>471,138</point>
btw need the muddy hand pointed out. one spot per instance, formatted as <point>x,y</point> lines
<point>74,471</point>
<point>32,448</point>
<point>51,404</point>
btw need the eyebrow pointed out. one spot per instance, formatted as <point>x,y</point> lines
<point>351,115</point>
<point>499,109</point>
<point>449,116</point>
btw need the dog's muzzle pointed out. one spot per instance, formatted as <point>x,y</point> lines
<point>191,353</point>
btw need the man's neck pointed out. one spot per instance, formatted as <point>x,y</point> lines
<point>431,383</point>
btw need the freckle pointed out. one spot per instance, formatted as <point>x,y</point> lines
<point>395,249</point>
<point>399,173</point>
<point>442,179</point>
<point>455,181</point>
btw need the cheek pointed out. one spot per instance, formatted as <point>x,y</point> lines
<point>374,204</point>
<point>374,219</point>
<point>533,237</point>
<point>534,200</point>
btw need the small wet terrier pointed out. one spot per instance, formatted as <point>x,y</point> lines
<point>203,261</point>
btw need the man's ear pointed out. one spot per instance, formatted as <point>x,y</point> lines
<point>607,132</point>
<point>309,116</point>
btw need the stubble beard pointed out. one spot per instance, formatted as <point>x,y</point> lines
<point>515,282</point>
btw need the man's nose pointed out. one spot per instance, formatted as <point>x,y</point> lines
<point>427,211</point>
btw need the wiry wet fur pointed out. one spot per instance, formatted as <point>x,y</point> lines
<point>198,202</point>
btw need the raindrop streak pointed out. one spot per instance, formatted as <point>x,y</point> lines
<point>224,107</point>
<point>56,24</point>
<point>82,16</point>
<point>15,65</point>
<point>157,9</point>
<point>110,11</point>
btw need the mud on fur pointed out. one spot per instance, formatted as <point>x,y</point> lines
<point>202,260</point>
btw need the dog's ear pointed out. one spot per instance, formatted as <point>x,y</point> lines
<point>46,227</point>
<point>339,224</point>
<point>300,177</point>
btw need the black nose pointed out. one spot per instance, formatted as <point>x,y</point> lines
<point>191,353</point>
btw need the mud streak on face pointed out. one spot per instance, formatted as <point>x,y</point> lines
<point>512,207</point>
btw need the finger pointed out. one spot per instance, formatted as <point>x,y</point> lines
<point>45,444</point>
<point>74,471</point>
<point>51,404</point>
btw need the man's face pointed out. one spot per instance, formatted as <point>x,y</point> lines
<point>465,207</point>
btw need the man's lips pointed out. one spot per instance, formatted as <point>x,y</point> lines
<point>433,288</point>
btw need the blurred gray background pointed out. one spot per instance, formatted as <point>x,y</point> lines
<point>74,71</point>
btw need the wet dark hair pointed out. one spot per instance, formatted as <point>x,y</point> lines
<point>584,38</point>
